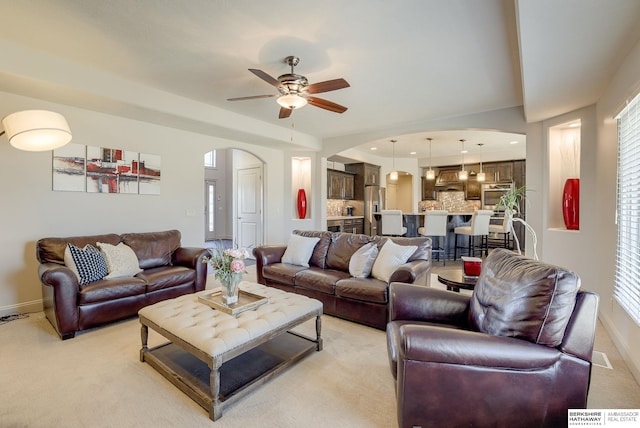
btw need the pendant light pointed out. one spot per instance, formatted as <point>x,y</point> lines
<point>463,174</point>
<point>394,174</point>
<point>481,176</point>
<point>430,174</point>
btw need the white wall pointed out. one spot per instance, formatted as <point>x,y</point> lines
<point>32,210</point>
<point>624,331</point>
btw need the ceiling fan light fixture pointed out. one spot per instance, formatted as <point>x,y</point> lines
<point>292,101</point>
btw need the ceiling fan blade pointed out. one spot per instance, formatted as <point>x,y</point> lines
<point>266,77</point>
<point>253,97</point>
<point>326,86</point>
<point>284,113</point>
<point>327,105</point>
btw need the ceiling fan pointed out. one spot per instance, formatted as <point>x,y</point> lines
<point>295,90</point>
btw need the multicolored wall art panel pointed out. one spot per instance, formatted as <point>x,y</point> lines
<point>92,169</point>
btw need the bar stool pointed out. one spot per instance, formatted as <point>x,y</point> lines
<point>435,226</point>
<point>392,223</point>
<point>504,229</point>
<point>479,227</point>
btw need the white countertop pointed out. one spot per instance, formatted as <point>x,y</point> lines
<point>344,217</point>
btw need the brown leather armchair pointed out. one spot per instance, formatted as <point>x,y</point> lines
<point>515,353</point>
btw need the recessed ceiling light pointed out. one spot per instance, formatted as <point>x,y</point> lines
<point>464,151</point>
<point>374,148</point>
<point>412,153</point>
<point>513,142</point>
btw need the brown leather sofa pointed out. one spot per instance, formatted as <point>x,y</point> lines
<point>169,270</point>
<point>515,353</point>
<point>362,300</point>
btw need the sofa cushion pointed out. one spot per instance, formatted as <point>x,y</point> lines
<point>364,289</point>
<point>319,255</point>
<point>166,277</point>
<point>390,257</point>
<point>299,250</point>
<point>519,297</point>
<point>281,272</point>
<point>107,290</point>
<point>423,244</point>
<point>322,280</point>
<point>51,250</point>
<point>87,263</point>
<point>342,247</point>
<point>121,260</point>
<point>153,249</point>
<point>362,260</point>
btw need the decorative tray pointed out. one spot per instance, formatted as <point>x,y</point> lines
<point>246,302</point>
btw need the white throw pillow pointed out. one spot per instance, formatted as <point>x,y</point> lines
<point>121,260</point>
<point>299,250</point>
<point>362,260</point>
<point>391,256</point>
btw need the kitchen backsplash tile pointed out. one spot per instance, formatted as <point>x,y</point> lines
<point>450,201</point>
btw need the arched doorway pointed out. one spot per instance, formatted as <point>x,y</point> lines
<point>234,190</point>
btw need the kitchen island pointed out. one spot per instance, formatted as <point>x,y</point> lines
<point>413,221</point>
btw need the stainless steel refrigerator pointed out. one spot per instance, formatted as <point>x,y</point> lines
<point>374,202</point>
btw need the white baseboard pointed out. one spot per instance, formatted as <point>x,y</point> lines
<point>21,308</point>
<point>621,345</point>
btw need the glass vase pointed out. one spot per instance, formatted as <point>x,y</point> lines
<point>230,288</point>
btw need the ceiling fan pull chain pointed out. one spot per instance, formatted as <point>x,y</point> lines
<point>293,125</point>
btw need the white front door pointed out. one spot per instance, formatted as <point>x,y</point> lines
<point>249,230</point>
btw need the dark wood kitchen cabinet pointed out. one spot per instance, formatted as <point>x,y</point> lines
<point>339,185</point>
<point>429,190</point>
<point>498,172</point>
<point>365,174</point>
<point>472,189</point>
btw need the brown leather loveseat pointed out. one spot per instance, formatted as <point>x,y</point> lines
<point>517,353</point>
<point>327,278</point>
<point>168,270</point>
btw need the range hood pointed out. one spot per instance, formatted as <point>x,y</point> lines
<point>450,187</point>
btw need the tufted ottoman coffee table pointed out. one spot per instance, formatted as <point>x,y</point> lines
<point>216,358</point>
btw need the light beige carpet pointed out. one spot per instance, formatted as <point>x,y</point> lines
<point>97,380</point>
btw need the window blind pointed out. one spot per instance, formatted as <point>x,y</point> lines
<point>627,279</point>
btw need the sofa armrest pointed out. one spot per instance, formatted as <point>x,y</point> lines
<point>193,258</point>
<point>418,303</point>
<point>415,272</point>
<point>60,297</point>
<point>432,344</point>
<point>579,336</point>
<point>267,255</point>
<point>190,257</point>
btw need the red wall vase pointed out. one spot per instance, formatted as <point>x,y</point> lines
<point>302,203</point>
<point>571,203</point>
